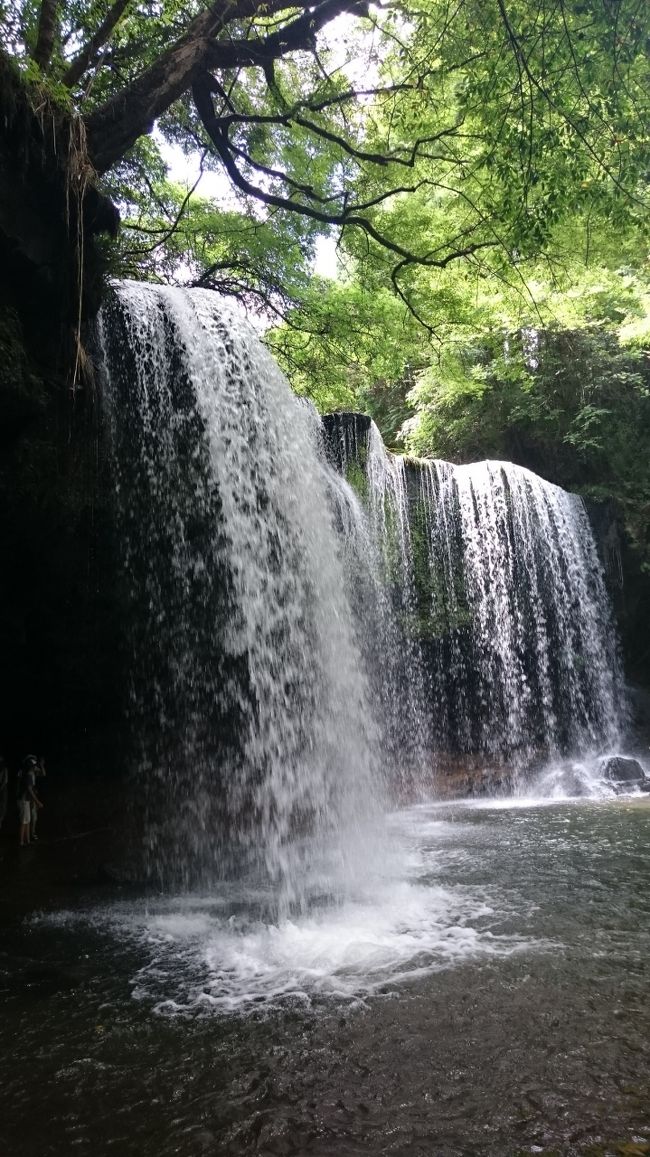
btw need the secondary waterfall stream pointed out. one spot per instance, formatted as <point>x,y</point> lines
<point>507,648</point>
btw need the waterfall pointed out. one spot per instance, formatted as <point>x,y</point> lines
<point>248,696</point>
<point>537,654</point>
<point>387,613</point>
<point>314,625</point>
<point>495,572</point>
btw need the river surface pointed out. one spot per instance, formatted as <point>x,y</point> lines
<point>489,995</point>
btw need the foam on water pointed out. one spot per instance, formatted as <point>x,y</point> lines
<point>579,778</point>
<point>568,781</point>
<point>205,955</point>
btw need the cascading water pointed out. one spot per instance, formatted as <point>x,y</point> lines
<point>317,628</point>
<point>248,694</point>
<point>536,653</point>
<point>499,585</point>
<point>383,582</point>
<point>284,629</point>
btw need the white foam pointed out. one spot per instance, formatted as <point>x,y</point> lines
<point>347,952</point>
<point>207,954</point>
<point>582,778</point>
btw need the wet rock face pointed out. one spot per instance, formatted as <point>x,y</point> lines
<point>623,772</point>
<point>628,586</point>
<point>59,616</point>
<point>346,439</point>
<point>467,776</point>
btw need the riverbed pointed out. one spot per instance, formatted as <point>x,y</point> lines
<point>488,995</point>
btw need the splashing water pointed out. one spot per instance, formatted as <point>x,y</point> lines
<point>202,955</point>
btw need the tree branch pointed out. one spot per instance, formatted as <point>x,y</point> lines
<point>300,34</point>
<point>522,64</point>
<point>170,229</point>
<point>89,53</point>
<point>413,153</point>
<point>113,128</point>
<point>309,191</point>
<point>278,175</point>
<point>379,158</point>
<point>348,216</point>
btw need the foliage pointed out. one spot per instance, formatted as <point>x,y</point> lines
<point>349,349</point>
<point>573,405</point>
<point>427,133</point>
<point>483,166</point>
<point>262,262</point>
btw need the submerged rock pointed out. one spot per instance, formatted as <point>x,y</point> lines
<point>622,772</point>
<point>572,782</point>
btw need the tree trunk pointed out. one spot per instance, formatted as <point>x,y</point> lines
<point>46,34</point>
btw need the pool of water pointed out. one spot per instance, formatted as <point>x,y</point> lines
<point>486,994</point>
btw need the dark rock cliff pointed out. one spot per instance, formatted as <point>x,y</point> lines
<point>58,674</point>
<point>629,589</point>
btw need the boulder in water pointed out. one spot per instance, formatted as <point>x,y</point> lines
<point>623,772</point>
<point>572,782</point>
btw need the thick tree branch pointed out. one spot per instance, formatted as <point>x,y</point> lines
<point>298,186</point>
<point>299,34</point>
<point>113,128</point>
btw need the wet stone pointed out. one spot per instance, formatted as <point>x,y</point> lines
<point>622,771</point>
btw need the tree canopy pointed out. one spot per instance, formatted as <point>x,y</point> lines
<point>482,165</point>
<point>423,132</point>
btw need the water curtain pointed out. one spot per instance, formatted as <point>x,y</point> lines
<point>248,694</point>
<point>497,584</point>
<point>314,622</point>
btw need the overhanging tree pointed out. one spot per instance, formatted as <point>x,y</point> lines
<point>496,113</point>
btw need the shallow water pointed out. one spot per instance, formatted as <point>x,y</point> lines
<point>488,995</point>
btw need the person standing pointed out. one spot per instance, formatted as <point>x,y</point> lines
<point>27,798</point>
<point>4,788</point>
<point>40,773</point>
